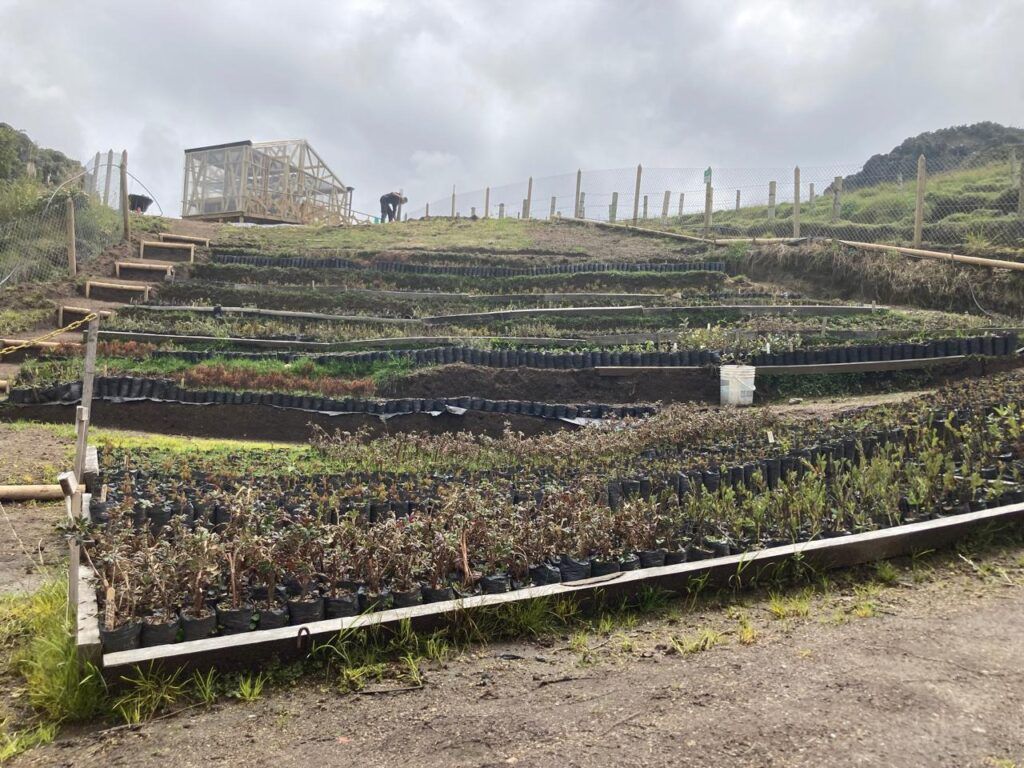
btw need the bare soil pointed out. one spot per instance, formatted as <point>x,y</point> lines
<point>559,386</point>
<point>925,672</point>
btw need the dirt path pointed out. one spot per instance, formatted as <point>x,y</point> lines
<point>927,672</point>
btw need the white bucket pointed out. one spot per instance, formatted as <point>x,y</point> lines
<point>737,384</point>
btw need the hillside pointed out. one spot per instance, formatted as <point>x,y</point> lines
<point>956,147</point>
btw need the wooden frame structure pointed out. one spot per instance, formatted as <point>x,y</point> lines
<point>272,182</point>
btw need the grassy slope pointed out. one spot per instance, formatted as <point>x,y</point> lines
<point>974,204</point>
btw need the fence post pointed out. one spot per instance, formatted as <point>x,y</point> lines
<point>1014,175</point>
<point>737,201</point>
<point>426,212</point>
<point>576,197</point>
<point>501,210</point>
<point>69,217</point>
<point>487,203</point>
<point>771,200</point>
<point>106,184</point>
<point>95,175</point>
<point>645,207</point>
<point>583,205</point>
<point>453,201</point>
<point>665,204</point>
<point>472,211</point>
<point>613,209</point>
<point>681,196</point>
<point>796,201</point>
<point>810,195</point>
<point>124,196</point>
<point>529,198</point>
<point>899,179</point>
<point>922,172</point>
<point>554,201</point>
<point>837,198</point>
<point>1020,191</point>
<point>636,194</point>
<point>709,196</point>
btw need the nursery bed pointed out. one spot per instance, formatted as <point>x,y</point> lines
<point>296,641</point>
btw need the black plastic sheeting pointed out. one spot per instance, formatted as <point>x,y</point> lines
<point>121,389</point>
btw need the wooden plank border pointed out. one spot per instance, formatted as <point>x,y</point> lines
<point>823,554</point>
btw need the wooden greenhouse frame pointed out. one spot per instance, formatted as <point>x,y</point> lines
<point>272,182</point>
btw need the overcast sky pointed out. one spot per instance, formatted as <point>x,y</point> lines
<point>423,95</point>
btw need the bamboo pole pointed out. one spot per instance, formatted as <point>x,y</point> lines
<point>682,197</point>
<point>529,198</point>
<point>636,194</point>
<point>709,196</point>
<point>665,204</point>
<point>576,198</point>
<point>613,209</point>
<point>771,200</point>
<point>796,201</point>
<point>645,207</point>
<point>938,255</point>
<point>69,218</point>
<point>737,201</point>
<point>453,201</point>
<point>922,172</point>
<point>487,203</point>
<point>554,202</point>
<point>110,172</point>
<point>837,198</point>
<point>127,233</point>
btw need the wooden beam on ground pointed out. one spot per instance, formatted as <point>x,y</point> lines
<point>169,237</point>
<point>33,492</point>
<point>822,554</point>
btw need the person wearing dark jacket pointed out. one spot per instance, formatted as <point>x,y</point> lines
<point>389,206</point>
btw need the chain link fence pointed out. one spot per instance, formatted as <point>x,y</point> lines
<point>35,246</point>
<point>970,204</point>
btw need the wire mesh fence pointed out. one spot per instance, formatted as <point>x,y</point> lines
<point>36,245</point>
<point>968,203</point>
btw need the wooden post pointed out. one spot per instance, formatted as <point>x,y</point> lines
<point>1014,174</point>
<point>82,412</point>
<point>95,175</point>
<point>487,203</point>
<point>837,198</point>
<point>426,211</point>
<point>551,213</point>
<point>681,198</point>
<point>645,207</point>
<point>472,211</point>
<point>737,201</point>
<point>453,201</point>
<point>709,195</point>
<point>583,205</point>
<point>69,217</point>
<point>636,194</point>
<point>110,172</point>
<point>124,197</point>
<point>1020,192</point>
<point>501,210</point>
<point>922,171</point>
<point>810,195</point>
<point>664,205</point>
<point>613,209</point>
<point>576,198</point>
<point>771,200</point>
<point>529,198</point>
<point>796,201</point>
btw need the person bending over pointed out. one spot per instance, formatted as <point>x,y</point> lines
<point>389,206</point>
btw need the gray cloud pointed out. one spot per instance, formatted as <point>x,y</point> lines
<point>426,95</point>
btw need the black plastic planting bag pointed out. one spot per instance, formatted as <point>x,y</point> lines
<point>572,569</point>
<point>123,638</point>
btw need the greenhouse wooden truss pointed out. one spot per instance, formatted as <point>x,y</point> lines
<point>273,182</point>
